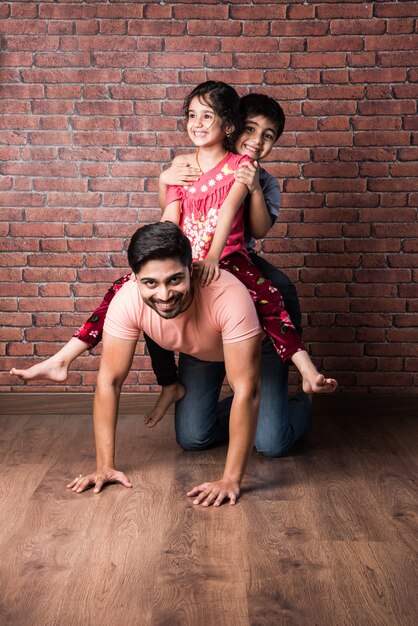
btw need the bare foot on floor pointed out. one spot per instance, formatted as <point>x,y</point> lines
<point>51,369</point>
<point>319,384</point>
<point>168,396</point>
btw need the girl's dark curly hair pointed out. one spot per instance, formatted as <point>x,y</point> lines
<point>224,100</point>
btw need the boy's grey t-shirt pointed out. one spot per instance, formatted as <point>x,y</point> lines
<point>271,192</point>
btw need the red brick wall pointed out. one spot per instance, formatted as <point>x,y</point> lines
<point>91,95</point>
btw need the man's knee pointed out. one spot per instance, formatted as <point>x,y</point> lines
<point>273,452</point>
<point>272,448</point>
<point>193,443</point>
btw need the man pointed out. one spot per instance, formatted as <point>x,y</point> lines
<point>214,325</point>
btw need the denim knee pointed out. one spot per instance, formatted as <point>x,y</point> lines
<point>192,443</point>
<point>271,450</point>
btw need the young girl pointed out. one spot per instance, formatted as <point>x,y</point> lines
<point>210,211</point>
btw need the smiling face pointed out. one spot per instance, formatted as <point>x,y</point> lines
<point>204,126</point>
<point>257,138</point>
<point>165,286</point>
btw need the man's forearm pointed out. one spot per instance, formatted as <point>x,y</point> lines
<point>242,429</point>
<point>106,405</point>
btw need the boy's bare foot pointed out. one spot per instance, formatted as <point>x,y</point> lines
<point>168,396</point>
<point>51,369</point>
<point>318,384</point>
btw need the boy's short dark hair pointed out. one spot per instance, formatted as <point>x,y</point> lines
<point>158,241</point>
<point>255,104</point>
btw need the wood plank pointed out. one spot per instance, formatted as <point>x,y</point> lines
<point>325,535</point>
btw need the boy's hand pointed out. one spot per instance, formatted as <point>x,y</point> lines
<point>206,271</point>
<point>247,174</point>
<point>180,173</point>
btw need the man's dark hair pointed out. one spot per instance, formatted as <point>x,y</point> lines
<point>255,104</point>
<point>158,241</point>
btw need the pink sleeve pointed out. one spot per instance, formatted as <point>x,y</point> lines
<point>174,192</point>
<point>236,314</point>
<point>242,159</point>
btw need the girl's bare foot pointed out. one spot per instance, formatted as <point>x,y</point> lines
<point>51,369</point>
<point>318,384</point>
<point>168,396</point>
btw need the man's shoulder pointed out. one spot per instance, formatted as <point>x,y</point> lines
<point>225,281</point>
<point>227,289</point>
<point>127,294</point>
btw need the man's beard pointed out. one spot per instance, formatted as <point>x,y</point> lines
<point>175,305</point>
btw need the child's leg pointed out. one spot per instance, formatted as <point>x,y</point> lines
<point>276,322</point>
<point>87,337</point>
<point>56,367</point>
<point>92,330</point>
<point>165,369</point>
<point>284,285</point>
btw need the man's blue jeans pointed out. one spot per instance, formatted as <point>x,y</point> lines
<point>202,421</point>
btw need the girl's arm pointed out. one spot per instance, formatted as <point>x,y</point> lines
<point>172,213</point>
<point>208,269</point>
<point>259,218</point>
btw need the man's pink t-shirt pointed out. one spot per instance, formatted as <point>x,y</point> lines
<point>220,313</point>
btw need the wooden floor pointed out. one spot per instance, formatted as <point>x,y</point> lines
<point>325,536</point>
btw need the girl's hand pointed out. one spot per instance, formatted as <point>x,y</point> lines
<point>206,271</point>
<point>247,174</point>
<point>180,173</point>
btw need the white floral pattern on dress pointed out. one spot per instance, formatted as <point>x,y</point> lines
<point>200,230</point>
<point>203,188</point>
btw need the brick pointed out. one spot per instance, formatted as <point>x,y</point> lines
<point>403,9</point>
<point>405,320</point>
<point>376,75</point>
<point>329,138</point>
<point>22,27</point>
<point>291,44</point>
<point>399,184</point>
<point>94,169</point>
<point>331,44</point>
<point>291,76</point>
<point>361,59</point>
<point>250,44</point>
<point>382,379</point>
<point>87,154</point>
<point>391,42</point>
<point>57,199</point>
<point>106,42</point>
<point>357,27</point>
<point>52,59</point>
<point>269,12</point>
<point>29,42</point>
<point>344,10</point>
<point>334,76</point>
<point>308,28</point>
<point>401,25</point>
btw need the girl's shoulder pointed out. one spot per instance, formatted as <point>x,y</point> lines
<point>184,159</point>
